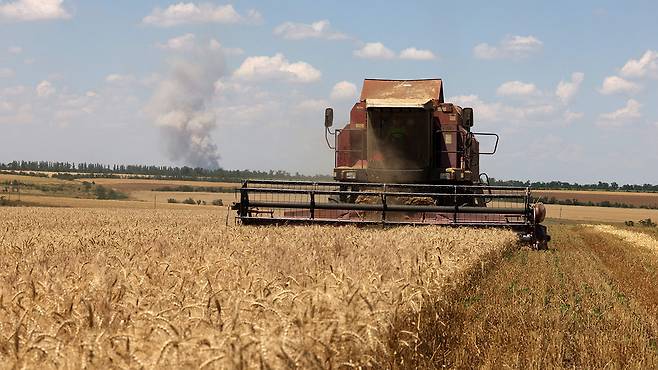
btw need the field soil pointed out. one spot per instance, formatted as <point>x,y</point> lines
<point>589,302</point>
<point>599,214</point>
<point>130,185</point>
<point>140,194</point>
<point>630,198</point>
<point>53,192</point>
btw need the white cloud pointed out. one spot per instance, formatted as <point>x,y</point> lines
<point>343,90</point>
<point>647,65</point>
<point>616,84</point>
<point>13,90</point>
<point>570,116</point>
<point>45,89</point>
<point>516,88</point>
<point>510,47</point>
<point>629,112</point>
<point>6,72</point>
<point>566,90</point>
<point>33,10</point>
<point>276,67</point>
<point>184,42</point>
<point>417,54</point>
<point>16,114</point>
<point>71,106</point>
<point>188,42</point>
<point>299,31</point>
<point>15,50</point>
<point>214,45</point>
<point>116,78</point>
<point>374,50</point>
<point>499,112</point>
<point>190,13</point>
<point>312,105</point>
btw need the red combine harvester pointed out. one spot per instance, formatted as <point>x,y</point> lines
<point>405,158</point>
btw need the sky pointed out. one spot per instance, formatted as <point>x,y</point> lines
<point>569,86</point>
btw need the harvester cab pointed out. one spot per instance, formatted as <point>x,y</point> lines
<point>404,157</point>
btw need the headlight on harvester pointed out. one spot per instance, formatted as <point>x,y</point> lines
<point>350,175</point>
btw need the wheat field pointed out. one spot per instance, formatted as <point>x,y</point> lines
<point>131,288</point>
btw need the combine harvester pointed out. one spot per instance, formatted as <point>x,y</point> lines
<point>405,158</point>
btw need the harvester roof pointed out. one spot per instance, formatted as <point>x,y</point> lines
<point>401,92</point>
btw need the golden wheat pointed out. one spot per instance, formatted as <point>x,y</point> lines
<point>633,237</point>
<point>177,288</point>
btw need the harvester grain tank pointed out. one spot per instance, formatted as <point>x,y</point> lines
<point>405,157</point>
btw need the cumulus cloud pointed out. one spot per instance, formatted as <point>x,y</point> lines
<point>616,84</point>
<point>15,112</point>
<point>276,67</point>
<point>646,66</point>
<point>13,90</point>
<point>374,50</point>
<point>312,105</point>
<point>621,116</point>
<point>183,42</point>
<point>510,47</point>
<point>216,45</point>
<point>317,30</point>
<point>188,43</point>
<point>191,13</point>
<point>72,106</point>
<point>417,54</point>
<point>516,88</point>
<point>566,90</point>
<point>537,106</point>
<point>570,116</point>
<point>499,112</point>
<point>45,89</point>
<point>6,72</point>
<point>117,78</point>
<point>33,10</point>
<point>343,90</point>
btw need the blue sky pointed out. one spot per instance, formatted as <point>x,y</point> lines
<point>569,86</point>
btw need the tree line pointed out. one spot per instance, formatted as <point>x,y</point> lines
<point>561,185</point>
<point>83,169</point>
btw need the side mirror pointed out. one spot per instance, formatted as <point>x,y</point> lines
<point>328,117</point>
<point>467,117</point>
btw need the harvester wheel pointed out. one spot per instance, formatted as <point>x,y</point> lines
<point>541,238</point>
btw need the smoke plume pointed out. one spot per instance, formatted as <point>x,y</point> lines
<point>180,106</point>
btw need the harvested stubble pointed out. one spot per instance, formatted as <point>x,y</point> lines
<point>176,288</point>
<point>633,237</point>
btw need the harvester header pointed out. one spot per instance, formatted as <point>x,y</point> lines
<point>404,157</point>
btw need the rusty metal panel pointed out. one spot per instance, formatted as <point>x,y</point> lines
<point>448,145</point>
<point>402,89</point>
<point>350,146</point>
<point>358,114</point>
<point>399,103</point>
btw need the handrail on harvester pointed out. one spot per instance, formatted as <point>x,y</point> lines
<point>245,183</point>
